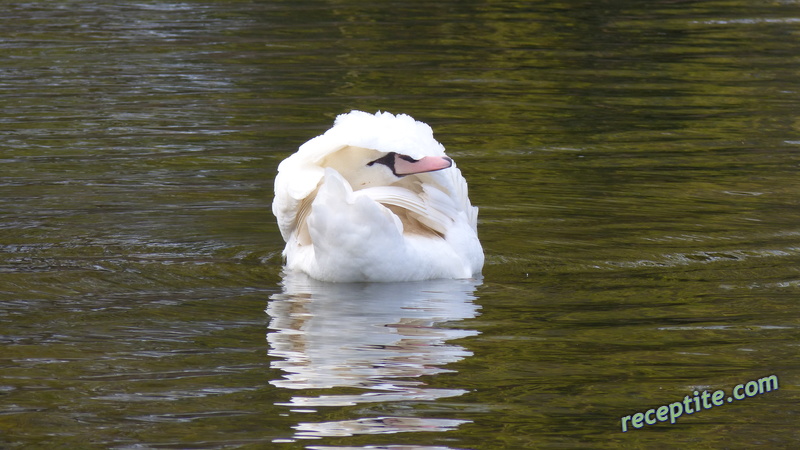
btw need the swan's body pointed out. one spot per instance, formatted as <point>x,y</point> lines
<point>376,199</point>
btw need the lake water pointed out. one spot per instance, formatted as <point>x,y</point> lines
<point>636,165</point>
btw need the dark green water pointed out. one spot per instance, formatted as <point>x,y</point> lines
<point>636,165</point>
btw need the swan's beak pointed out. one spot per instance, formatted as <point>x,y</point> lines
<point>403,165</point>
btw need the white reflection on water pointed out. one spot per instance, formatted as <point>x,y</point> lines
<point>379,338</point>
<point>375,425</point>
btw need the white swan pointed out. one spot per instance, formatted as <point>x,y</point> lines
<point>376,199</point>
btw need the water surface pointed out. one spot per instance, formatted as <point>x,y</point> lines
<point>636,168</point>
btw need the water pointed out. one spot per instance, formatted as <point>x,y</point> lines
<point>636,168</point>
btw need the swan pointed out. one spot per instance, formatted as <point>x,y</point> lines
<point>375,198</point>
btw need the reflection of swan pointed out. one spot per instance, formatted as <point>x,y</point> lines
<point>378,425</point>
<point>376,199</point>
<point>379,337</point>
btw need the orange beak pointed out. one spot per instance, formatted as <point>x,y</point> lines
<point>405,165</point>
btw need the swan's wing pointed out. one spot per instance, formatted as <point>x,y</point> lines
<point>460,193</point>
<point>295,184</point>
<point>451,182</point>
<point>432,207</point>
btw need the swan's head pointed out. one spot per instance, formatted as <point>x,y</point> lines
<point>367,150</point>
<point>364,167</point>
